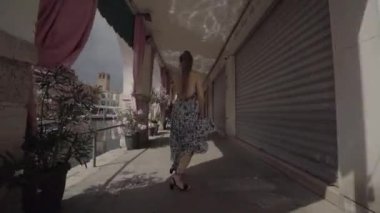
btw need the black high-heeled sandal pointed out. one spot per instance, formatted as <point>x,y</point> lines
<point>172,170</point>
<point>173,185</point>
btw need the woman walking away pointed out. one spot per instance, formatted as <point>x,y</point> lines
<point>189,130</point>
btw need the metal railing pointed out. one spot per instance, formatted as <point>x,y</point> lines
<point>94,140</point>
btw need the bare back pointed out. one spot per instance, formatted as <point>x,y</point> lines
<point>191,87</point>
<point>194,86</point>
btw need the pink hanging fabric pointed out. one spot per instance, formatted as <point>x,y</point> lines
<point>138,47</point>
<point>62,30</point>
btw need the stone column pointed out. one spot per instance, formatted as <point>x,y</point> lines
<point>143,88</point>
<point>127,54</point>
<point>142,103</point>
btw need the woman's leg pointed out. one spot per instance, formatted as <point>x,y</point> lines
<point>180,162</point>
<point>176,158</point>
<point>183,163</point>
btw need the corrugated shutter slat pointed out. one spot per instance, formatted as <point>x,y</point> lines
<point>219,90</point>
<point>285,98</point>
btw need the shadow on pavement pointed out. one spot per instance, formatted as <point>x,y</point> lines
<point>162,140</point>
<point>236,182</point>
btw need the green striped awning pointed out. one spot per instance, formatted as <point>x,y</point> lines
<point>119,16</point>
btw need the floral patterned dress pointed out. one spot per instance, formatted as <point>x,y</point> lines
<point>188,131</point>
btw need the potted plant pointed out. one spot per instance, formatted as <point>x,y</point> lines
<point>158,102</point>
<point>11,177</point>
<point>152,124</point>
<point>130,128</point>
<point>49,151</point>
<point>156,126</point>
<point>152,128</point>
<point>142,128</point>
<point>159,96</point>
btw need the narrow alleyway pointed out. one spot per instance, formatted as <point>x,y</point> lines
<point>226,179</point>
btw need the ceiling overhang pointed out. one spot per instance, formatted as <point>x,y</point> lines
<point>200,26</point>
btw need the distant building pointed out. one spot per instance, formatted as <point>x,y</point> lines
<point>126,103</point>
<point>103,81</point>
<point>107,97</point>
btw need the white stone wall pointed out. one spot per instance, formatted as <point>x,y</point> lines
<point>15,87</point>
<point>18,18</point>
<point>356,43</point>
<point>17,52</point>
<point>12,47</point>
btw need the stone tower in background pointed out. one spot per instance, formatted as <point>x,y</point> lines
<point>104,81</point>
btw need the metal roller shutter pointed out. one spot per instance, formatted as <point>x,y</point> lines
<point>219,102</point>
<point>285,99</point>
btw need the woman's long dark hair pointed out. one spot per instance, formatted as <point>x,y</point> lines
<point>186,58</point>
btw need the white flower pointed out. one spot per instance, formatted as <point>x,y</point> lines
<point>140,112</point>
<point>141,126</point>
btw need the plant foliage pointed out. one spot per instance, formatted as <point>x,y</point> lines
<point>66,103</point>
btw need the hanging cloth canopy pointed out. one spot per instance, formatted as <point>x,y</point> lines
<point>62,30</point>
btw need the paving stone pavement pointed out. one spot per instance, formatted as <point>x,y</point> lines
<point>226,179</point>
